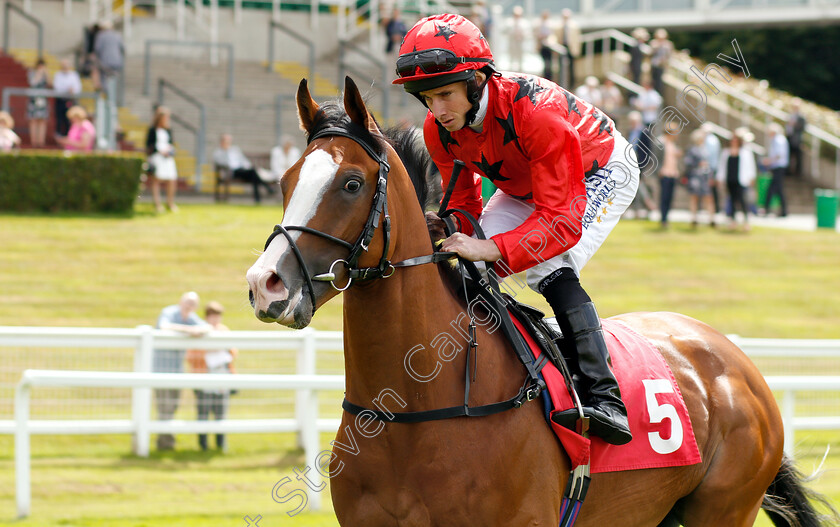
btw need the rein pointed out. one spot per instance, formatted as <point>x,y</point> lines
<point>533,385</point>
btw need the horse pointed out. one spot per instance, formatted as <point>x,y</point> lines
<point>352,209</point>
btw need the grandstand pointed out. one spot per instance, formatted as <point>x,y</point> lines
<point>337,37</point>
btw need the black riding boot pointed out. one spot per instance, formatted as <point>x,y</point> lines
<point>598,389</point>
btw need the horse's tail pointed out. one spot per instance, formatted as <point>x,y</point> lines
<point>789,503</point>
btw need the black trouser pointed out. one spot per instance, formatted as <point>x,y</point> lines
<point>738,195</point>
<point>249,175</point>
<point>545,53</point>
<point>795,164</point>
<point>62,123</point>
<point>666,186</point>
<point>776,189</point>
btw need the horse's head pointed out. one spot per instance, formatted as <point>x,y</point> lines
<point>333,213</point>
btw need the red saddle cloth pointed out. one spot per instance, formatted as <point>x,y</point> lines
<point>659,421</point>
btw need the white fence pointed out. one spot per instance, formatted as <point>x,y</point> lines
<point>306,384</point>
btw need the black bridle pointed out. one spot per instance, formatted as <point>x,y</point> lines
<point>379,208</point>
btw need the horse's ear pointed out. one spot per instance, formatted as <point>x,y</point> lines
<point>307,107</point>
<point>355,107</point>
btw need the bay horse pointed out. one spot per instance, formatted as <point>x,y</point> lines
<point>505,469</point>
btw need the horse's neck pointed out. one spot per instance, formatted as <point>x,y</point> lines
<point>412,312</point>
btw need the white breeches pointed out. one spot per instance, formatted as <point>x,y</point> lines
<point>609,192</point>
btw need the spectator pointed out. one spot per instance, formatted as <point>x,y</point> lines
<point>794,129</point>
<point>8,138</point>
<point>220,361</point>
<point>713,153</point>
<point>737,170</point>
<point>395,30</point>
<point>640,141</point>
<point>161,161</point>
<point>482,18</point>
<point>648,103</point>
<point>611,99</point>
<point>661,49</point>
<point>283,157</point>
<point>82,135</point>
<point>517,30</point>
<point>699,177</point>
<point>590,91</point>
<point>637,53</point>
<point>230,157</point>
<point>777,163</point>
<point>37,111</point>
<point>545,38</point>
<point>109,50</point>
<point>66,80</point>
<point>179,317</point>
<point>669,174</point>
<point>568,34</point>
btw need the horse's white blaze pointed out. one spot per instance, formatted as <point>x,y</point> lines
<point>318,170</point>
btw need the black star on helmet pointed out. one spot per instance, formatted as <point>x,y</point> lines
<point>492,171</point>
<point>446,138</point>
<point>592,170</point>
<point>510,130</point>
<point>444,31</point>
<point>527,88</point>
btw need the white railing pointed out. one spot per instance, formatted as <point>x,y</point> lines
<point>306,384</point>
<point>307,422</point>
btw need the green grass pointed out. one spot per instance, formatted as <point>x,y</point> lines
<point>117,271</point>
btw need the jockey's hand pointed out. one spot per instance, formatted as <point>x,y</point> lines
<point>435,226</point>
<point>472,249</point>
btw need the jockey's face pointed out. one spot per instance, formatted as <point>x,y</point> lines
<point>449,104</point>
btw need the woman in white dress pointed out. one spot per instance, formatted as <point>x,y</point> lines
<point>161,163</point>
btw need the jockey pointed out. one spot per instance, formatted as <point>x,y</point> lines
<point>563,182</point>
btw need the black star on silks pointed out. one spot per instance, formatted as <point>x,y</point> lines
<point>445,31</point>
<point>492,171</point>
<point>572,104</point>
<point>527,88</point>
<point>527,196</point>
<point>446,138</point>
<point>594,169</point>
<point>605,122</point>
<point>510,130</point>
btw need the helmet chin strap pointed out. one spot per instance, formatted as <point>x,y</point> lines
<point>474,91</point>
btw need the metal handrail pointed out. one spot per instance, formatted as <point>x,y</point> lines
<point>147,60</point>
<point>279,99</point>
<point>37,23</point>
<point>309,43</point>
<point>343,47</point>
<point>562,52</point>
<point>10,91</point>
<point>200,133</point>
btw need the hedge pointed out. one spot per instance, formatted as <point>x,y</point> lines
<point>81,183</point>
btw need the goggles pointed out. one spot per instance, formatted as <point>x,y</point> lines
<point>431,61</point>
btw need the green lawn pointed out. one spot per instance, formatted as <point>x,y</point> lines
<point>119,272</point>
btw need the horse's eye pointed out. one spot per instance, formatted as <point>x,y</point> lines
<point>353,185</point>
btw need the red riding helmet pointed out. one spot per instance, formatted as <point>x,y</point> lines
<point>440,50</point>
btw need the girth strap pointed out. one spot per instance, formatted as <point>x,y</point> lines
<point>526,393</point>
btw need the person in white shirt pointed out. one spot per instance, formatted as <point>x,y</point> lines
<point>66,80</point>
<point>230,157</point>
<point>8,138</point>
<point>283,157</point>
<point>648,102</point>
<point>590,91</point>
<point>517,31</point>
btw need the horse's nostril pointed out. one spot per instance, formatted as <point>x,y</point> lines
<point>273,283</point>
<point>251,296</point>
